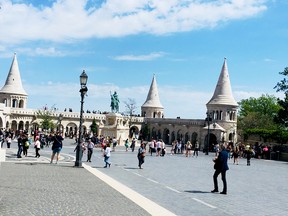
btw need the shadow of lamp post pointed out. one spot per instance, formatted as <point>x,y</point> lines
<point>83,91</point>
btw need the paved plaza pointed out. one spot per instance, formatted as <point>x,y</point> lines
<point>170,185</point>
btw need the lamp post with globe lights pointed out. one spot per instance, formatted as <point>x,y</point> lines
<point>83,91</point>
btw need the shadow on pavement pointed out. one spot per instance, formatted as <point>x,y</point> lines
<point>195,191</point>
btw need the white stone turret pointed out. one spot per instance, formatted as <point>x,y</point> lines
<point>152,108</point>
<point>222,108</point>
<point>12,93</point>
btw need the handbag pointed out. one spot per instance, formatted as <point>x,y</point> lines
<point>26,144</point>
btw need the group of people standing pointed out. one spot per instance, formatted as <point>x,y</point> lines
<point>178,148</point>
<point>106,149</point>
<point>6,136</point>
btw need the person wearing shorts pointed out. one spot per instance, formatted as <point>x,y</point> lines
<point>56,146</point>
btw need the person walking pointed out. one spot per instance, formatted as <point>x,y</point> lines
<point>127,144</point>
<point>25,144</point>
<point>188,149</point>
<point>141,155</point>
<point>107,154</point>
<point>20,146</point>
<point>249,154</point>
<point>196,149</point>
<point>235,155</point>
<point>83,146</point>
<point>90,147</point>
<point>1,137</point>
<point>8,141</point>
<point>37,145</point>
<point>56,146</point>
<point>133,144</point>
<point>114,143</point>
<point>221,166</point>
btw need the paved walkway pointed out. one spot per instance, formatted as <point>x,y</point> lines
<point>166,186</point>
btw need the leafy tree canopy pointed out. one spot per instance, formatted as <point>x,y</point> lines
<point>264,105</point>
<point>94,126</point>
<point>46,119</point>
<point>282,86</point>
<point>258,112</point>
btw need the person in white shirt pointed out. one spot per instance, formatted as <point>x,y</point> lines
<point>107,154</point>
<point>37,146</point>
<point>158,147</point>
<point>90,147</point>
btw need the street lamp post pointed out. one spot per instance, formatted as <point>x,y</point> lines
<point>60,118</point>
<point>208,133</point>
<point>83,91</point>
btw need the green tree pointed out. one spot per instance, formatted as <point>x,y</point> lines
<point>145,132</point>
<point>46,122</point>
<point>282,86</point>
<point>94,126</point>
<point>258,112</point>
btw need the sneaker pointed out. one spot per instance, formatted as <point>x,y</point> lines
<point>223,192</point>
<point>214,191</point>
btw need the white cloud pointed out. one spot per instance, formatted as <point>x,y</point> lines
<point>148,57</point>
<point>69,20</point>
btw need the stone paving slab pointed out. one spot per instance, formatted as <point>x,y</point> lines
<point>50,189</point>
<point>179,184</point>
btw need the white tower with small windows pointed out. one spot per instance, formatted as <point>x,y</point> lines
<point>222,107</point>
<point>12,93</point>
<point>152,108</point>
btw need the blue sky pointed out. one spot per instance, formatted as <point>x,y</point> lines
<point>122,43</point>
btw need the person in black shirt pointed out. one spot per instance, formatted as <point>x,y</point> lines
<point>56,146</point>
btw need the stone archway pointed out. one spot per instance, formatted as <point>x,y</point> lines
<point>194,138</point>
<point>186,137</point>
<point>21,125</point>
<point>71,130</point>
<point>212,142</point>
<point>166,136</point>
<point>134,132</point>
<point>14,125</point>
<point>154,133</point>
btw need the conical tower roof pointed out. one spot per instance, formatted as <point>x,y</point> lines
<point>223,93</point>
<point>153,96</point>
<point>13,84</point>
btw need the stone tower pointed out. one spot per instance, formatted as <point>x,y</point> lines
<point>152,108</point>
<point>222,107</point>
<point>12,93</point>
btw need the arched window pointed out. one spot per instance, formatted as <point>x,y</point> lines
<point>14,103</point>
<point>5,102</point>
<point>221,115</point>
<point>21,104</point>
<point>194,138</point>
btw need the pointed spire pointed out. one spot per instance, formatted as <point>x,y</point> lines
<point>13,84</point>
<point>153,96</point>
<point>223,93</point>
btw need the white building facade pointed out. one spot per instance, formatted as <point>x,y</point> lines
<point>219,126</point>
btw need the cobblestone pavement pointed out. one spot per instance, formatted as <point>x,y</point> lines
<point>30,186</point>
